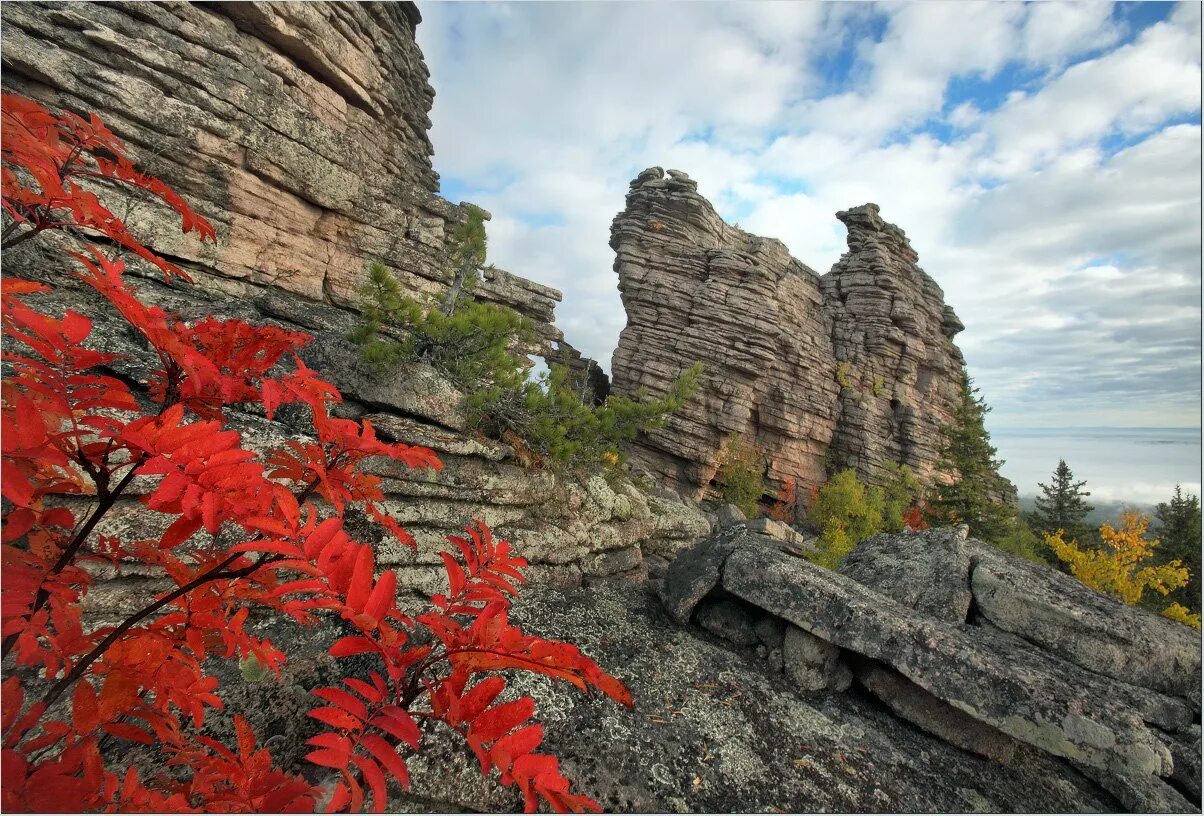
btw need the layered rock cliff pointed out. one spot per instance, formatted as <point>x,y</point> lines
<point>855,368</point>
<point>300,131</point>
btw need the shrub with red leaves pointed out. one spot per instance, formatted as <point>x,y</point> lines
<point>247,531</point>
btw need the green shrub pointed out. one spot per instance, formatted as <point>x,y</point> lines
<point>842,374</point>
<point>478,347</point>
<point>740,475</point>
<point>1020,540</point>
<point>563,425</point>
<point>846,511</point>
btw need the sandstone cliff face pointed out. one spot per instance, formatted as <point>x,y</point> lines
<point>855,368</point>
<point>892,334</point>
<point>298,129</point>
<point>696,288</point>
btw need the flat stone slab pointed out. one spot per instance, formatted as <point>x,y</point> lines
<point>1028,704</point>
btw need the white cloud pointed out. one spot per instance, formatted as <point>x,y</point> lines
<point>1056,31</point>
<point>1059,208</point>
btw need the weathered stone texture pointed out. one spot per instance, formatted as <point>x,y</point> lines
<point>855,368</point>
<point>298,129</point>
<point>698,289</point>
<point>926,635</point>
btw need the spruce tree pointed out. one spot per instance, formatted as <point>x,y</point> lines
<point>1062,505</point>
<point>975,496</point>
<point>1179,529</point>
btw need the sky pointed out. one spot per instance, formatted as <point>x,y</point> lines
<point>1044,159</point>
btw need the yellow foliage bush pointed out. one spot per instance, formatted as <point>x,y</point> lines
<point>1181,613</point>
<point>1116,568</point>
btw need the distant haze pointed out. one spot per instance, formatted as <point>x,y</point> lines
<point>1138,465</point>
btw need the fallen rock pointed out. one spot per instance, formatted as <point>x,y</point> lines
<point>935,716</point>
<point>813,664</point>
<point>945,660</point>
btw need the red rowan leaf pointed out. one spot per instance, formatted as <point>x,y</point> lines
<point>361,580</point>
<point>515,745</point>
<point>480,696</point>
<point>495,722</point>
<point>129,732</point>
<point>352,645</point>
<point>369,692</point>
<point>399,724</point>
<point>387,756</point>
<point>383,596</point>
<point>84,710</point>
<point>118,694</point>
<point>339,800</point>
<point>329,758</point>
<point>344,700</point>
<point>336,717</point>
<point>375,779</point>
<point>335,742</point>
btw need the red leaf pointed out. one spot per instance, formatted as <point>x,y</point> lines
<point>375,779</point>
<point>361,580</point>
<point>329,758</point>
<point>500,720</point>
<point>343,700</point>
<point>387,756</point>
<point>84,711</point>
<point>129,732</point>
<point>336,717</point>
<point>383,596</point>
<point>399,724</point>
<point>352,645</point>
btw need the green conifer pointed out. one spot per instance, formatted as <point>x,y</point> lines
<point>1179,530</point>
<point>1062,504</point>
<point>976,493</point>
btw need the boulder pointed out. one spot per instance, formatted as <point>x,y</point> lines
<point>947,661</point>
<point>813,664</point>
<point>929,574</point>
<point>1062,615</point>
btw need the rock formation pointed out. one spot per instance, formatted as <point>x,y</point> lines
<point>930,674</point>
<point>975,646</point>
<point>300,132</point>
<point>298,129</point>
<point>855,368</point>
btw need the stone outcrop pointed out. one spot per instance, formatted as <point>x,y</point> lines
<point>573,529</point>
<point>1115,694</point>
<point>300,132</point>
<point>855,368</point>
<point>298,129</point>
<point>710,731</point>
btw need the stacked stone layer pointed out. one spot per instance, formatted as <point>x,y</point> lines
<point>991,653</point>
<point>298,129</point>
<point>855,368</point>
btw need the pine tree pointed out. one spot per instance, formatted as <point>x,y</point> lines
<point>975,496</point>
<point>466,257</point>
<point>1062,505</point>
<point>1179,527</point>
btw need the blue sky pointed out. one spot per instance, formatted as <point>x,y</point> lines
<point>1043,158</point>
